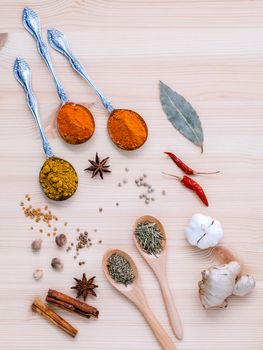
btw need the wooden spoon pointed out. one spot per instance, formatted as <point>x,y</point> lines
<point>135,293</point>
<point>158,265</point>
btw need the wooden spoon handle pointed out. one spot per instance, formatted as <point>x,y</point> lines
<point>163,338</point>
<point>171,309</point>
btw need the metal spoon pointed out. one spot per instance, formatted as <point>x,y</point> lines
<point>116,119</point>
<point>23,75</point>
<point>135,293</point>
<point>158,265</point>
<point>31,22</point>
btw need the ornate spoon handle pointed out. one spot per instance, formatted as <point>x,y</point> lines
<point>23,75</point>
<point>59,42</point>
<point>31,22</point>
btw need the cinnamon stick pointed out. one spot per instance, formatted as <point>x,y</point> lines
<point>71,304</point>
<point>53,317</point>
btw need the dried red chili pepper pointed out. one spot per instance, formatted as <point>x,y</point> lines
<point>185,168</point>
<point>192,185</point>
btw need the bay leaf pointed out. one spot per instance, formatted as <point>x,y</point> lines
<point>182,115</point>
<point>3,39</point>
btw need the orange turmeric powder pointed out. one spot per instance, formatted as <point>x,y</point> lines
<point>75,123</point>
<point>127,129</point>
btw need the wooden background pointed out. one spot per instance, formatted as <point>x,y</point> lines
<point>209,51</point>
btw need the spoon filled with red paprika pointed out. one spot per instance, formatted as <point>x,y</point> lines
<point>75,122</point>
<point>126,128</point>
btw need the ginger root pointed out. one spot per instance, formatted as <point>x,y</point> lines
<point>227,277</point>
<point>220,282</point>
<point>244,285</point>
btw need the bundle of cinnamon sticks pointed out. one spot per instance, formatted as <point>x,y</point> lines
<point>66,302</point>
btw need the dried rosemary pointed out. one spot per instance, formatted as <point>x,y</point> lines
<point>120,269</point>
<point>150,238</point>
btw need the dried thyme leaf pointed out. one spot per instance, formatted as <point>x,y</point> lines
<point>120,269</point>
<point>182,115</point>
<point>3,39</point>
<point>149,238</point>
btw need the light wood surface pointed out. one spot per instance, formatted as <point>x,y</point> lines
<point>158,265</point>
<point>209,51</point>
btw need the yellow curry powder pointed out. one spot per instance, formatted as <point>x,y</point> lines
<point>75,123</point>
<point>58,179</point>
<point>127,129</point>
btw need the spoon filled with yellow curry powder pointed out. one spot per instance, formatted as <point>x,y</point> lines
<point>126,128</point>
<point>75,122</point>
<point>57,177</point>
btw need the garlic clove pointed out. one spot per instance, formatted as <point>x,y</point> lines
<point>244,285</point>
<point>203,231</point>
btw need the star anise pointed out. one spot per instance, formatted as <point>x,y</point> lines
<point>98,166</point>
<point>85,287</point>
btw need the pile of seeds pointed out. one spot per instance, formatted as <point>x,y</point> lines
<point>120,269</point>
<point>82,241</point>
<point>146,195</point>
<point>147,190</point>
<point>46,217</point>
<point>38,214</point>
<point>150,238</point>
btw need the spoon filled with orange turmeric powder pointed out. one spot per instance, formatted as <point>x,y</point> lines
<point>57,176</point>
<point>126,128</point>
<point>75,122</point>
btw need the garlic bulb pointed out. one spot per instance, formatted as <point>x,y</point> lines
<point>244,285</point>
<point>218,284</point>
<point>204,231</point>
